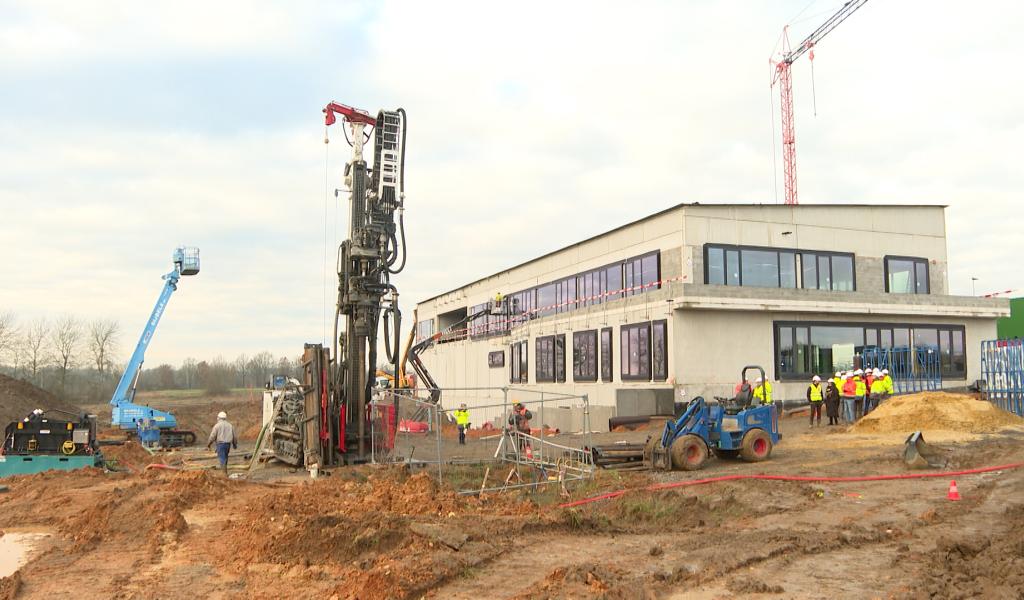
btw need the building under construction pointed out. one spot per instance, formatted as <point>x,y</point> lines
<point>681,300</point>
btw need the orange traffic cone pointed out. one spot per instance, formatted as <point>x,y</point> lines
<point>954,494</point>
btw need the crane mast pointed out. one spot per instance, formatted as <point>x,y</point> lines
<point>784,77</point>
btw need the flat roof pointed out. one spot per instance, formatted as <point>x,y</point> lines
<point>674,207</point>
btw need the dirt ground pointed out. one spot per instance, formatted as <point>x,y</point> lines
<point>388,532</point>
<point>18,398</point>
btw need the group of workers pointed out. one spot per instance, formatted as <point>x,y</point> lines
<point>859,392</point>
<point>519,419</point>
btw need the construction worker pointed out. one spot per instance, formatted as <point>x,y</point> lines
<point>875,391</point>
<point>849,391</point>
<point>861,392</point>
<point>889,391</point>
<point>462,421</point>
<point>223,433</point>
<point>832,394</point>
<point>816,396</point>
<point>838,380</point>
<point>763,391</point>
<point>520,420</point>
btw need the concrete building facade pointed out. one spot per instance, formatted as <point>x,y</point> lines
<point>674,305</point>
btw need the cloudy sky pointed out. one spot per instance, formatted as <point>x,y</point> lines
<point>128,128</point>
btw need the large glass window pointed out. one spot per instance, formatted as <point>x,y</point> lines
<point>424,329</point>
<point>659,350</point>
<point>545,358</point>
<point>518,370</point>
<point>559,358</point>
<point>906,275</point>
<point>635,352</point>
<point>584,355</point>
<point>546,300</point>
<point>606,354</point>
<point>806,349</point>
<point>769,267</point>
<point>760,268</point>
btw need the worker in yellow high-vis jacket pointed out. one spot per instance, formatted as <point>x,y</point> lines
<point>462,421</point>
<point>763,391</point>
<point>816,397</point>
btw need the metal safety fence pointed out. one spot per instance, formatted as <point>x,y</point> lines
<point>912,370</point>
<point>1002,373</point>
<point>546,441</point>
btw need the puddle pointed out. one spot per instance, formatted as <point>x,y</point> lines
<point>14,550</point>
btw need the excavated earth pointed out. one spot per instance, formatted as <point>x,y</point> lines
<point>380,533</point>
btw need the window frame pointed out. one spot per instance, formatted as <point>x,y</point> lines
<point>607,355</point>
<point>544,371</point>
<point>883,328</point>
<point>659,374</point>
<point>913,260</point>
<point>519,363</point>
<point>585,370</point>
<point>625,349</point>
<point>798,261</point>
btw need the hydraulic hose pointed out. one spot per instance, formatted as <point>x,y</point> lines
<point>822,479</point>
<point>405,250</point>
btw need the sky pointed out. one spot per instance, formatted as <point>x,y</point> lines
<point>130,128</point>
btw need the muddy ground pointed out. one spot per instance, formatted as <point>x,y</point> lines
<point>393,533</point>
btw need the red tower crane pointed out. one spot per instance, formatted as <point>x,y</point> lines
<point>784,77</point>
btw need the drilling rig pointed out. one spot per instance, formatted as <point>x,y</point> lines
<point>331,426</point>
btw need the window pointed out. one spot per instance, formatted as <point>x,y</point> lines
<point>806,349</point>
<point>641,274</point>
<point>906,275</point>
<point>518,372</point>
<point>546,297</point>
<point>496,359</point>
<point>659,350</point>
<point>424,329</point>
<point>778,268</point>
<point>612,280</point>
<point>545,353</point>
<point>635,352</point>
<point>560,358</point>
<point>584,355</point>
<point>606,354</point>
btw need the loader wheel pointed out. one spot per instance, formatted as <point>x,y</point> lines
<point>757,445</point>
<point>689,453</point>
<point>652,443</point>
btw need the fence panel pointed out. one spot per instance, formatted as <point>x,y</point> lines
<point>912,369</point>
<point>1002,372</point>
<point>492,454</point>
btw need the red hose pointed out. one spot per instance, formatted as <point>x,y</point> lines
<point>677,484</point>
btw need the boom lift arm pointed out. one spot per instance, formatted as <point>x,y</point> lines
<point>125,413</point>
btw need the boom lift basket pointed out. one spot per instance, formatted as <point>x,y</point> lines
<point>187,259</point>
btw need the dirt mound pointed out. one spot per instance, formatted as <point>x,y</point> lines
<point>986,567</point>
<point>18,398</point>
<point>130,454</point>
<point>935,411</point>
<point>9,586</point>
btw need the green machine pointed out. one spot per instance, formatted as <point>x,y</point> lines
<point>39,443</point>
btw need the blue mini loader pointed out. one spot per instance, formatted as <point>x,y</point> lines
<point>729,428</point>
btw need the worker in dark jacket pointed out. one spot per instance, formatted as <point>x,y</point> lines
<point>816,397</point>
<point>520,420</point>
<point>832,401</point>
<point>223,434</point>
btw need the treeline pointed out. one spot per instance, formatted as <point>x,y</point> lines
<point>76,359</point>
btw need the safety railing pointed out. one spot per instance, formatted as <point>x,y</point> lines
<point>1002,373</point>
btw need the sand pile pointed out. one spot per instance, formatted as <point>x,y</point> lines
<point>936,411</point>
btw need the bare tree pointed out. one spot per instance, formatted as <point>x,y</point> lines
<point>190,372</point>
<point>34,342</point>
<point>8,334</point>
<point>261,365</point>
<point>66,337</point>
<point>242,368</point>
<point>103,334</point>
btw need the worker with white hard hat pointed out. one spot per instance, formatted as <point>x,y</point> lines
<point>889,391</point>
<point>816,398</point>
<point>849,392</point>
<point>763,391</point>
<point>462,422</point>
<point>223,434</point>
<point>861,393</point>
<point>875,391</point>
<point>833,389</point>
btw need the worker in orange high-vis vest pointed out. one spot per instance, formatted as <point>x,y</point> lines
<point>816,397</point>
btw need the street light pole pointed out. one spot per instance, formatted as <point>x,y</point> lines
<point>973,291</point>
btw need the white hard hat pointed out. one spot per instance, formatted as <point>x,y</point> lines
<point>838,374</point>
<point>885,371</point>
<point>222,415</point>
<point>876,372</point>
<point>859,372</point>
<point>815,378</point>
<point>758,380</point>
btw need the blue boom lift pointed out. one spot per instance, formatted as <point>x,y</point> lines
<point>151,425</point>
<point>732,427</point>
